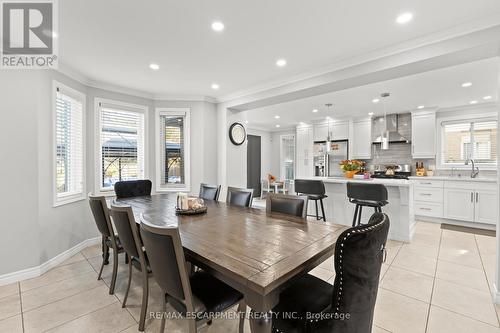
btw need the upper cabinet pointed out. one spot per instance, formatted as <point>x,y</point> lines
<point>423,129</point>
<point>338,130</point>
<point>361,139</point>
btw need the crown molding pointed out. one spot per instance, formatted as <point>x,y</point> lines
<point>457,31</point>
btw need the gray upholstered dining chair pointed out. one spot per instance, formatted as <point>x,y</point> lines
<point>200,293</point>
<point>128,231</point>
<point>239,196</point>
<point>209,192</point>
<point>133,188</point>
<point>359,254</point>
<point>102,220</point>
<point>294,205</point>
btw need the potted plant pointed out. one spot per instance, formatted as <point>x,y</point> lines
<point>352,167</point>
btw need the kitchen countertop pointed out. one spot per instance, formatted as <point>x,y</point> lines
<point>385,181</point>
<point>456,178</point>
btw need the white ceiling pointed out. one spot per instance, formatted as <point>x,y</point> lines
<point>440,88</point>
<point>114,41</point>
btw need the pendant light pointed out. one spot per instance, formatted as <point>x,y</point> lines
<point>385,133</point>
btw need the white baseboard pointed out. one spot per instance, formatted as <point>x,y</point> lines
<point>32,272</point>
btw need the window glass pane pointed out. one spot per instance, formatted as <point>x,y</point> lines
<point>122,148</point>
<point>69,145</point>
<point>485,142</point>
<point>456,143</point>
<point>172,151</point>
<point>288,157</point>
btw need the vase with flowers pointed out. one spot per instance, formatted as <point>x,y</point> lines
<point>352,167</point>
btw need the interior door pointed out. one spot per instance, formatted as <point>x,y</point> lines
<point>254,163</point>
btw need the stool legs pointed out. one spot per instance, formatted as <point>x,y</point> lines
<point>316,203</point>
<point>355,216</point>
<point>360,213</point>
<point>322,209</point>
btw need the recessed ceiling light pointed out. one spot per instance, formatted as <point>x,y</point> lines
<point>473,102</point>
<point>370,113</point>
<point>154,66</point>
<point>466,84</point>
<point>487,97</point>
<point>375,100</point>
<point>215,86</point>
<point>217,26</point>
<point>278,126</point>
<point>302,123</point>
<point>404,18</point>
<point>420,106</point>
<point>179,120</point>
<point>276,117</point>
<point>281,62</point>
<point>315,110</point>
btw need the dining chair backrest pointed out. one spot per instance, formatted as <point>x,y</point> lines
<point>294,205</point>
<point>100,212</point>
<point>368,192</point>
<point>209,192</point>
<point>309,186</point>
<point>359,253</point>
<point>166,258</point>
<point>126,228</point>
<point>239,196</point>
<point>133,188</point>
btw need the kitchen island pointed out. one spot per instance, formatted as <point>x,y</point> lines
<point>339,210</point>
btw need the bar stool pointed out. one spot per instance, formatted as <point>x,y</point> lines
<point>315,190</point>
<point>369,195</point>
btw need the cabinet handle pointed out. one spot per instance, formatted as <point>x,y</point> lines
<point>428,194</point>
<point>425,183</point>
<point>477,197</point>
<point>422,208</point>
<point>471,196</point>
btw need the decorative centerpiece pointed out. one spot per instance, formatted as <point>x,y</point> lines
<point>189,205</point>
<point>352,167</point>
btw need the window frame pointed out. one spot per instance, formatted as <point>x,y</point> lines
<point>471,118</point>
<point>282,164</point>
<point>186,112</point>
<point>143,109</point>
<point>80,96</point>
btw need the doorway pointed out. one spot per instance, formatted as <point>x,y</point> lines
<point>254,163</point>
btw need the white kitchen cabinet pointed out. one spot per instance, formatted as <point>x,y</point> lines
<point>340,130</point>
<point>423,132</point>
<point>486,205</point>
<point>304,151</point>
<point>320,131</point>
<point>459,204</point>
<point>361,139</point>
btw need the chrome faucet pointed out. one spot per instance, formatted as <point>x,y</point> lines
<point>475,170</point>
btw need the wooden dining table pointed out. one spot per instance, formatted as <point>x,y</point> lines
<point>256,253</point>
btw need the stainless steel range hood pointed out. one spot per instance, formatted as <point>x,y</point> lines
<point>392,127</point>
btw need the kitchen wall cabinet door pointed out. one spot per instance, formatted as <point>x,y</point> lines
<point>304,152</point>
<point>340,130</point>
<point>423,132</point>
<point>486,206</point>
<point>320,132</point>
<point>361,139</point>
<point>459,204</point>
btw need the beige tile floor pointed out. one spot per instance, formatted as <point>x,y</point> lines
<point>439,283</point>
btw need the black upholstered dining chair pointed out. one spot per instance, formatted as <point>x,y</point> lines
<point>315,190</point>
<point>128,232</point>
<point>239,196</point>
<point>294,205</point>
<point>209,192</point>
<point>100,212</point>
<point>199,293</point>
<point>350,302</point>
<point>366,195</point>
<point>133,188</point>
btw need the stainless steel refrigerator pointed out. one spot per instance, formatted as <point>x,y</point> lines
<point>339,150</point>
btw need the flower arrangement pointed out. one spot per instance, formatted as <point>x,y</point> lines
<point>352,167</point>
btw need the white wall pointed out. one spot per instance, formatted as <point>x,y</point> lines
<point>32,230</point>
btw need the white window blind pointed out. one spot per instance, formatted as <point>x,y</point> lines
<point>287,157</point>
<point>466,140</point>
<point>173,150</point>
<point>69,146</point>
<point>121,145</point>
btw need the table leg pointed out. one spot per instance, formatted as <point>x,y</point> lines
<point>261,322</point>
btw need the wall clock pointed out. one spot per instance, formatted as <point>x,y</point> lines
<point>237,134</point>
